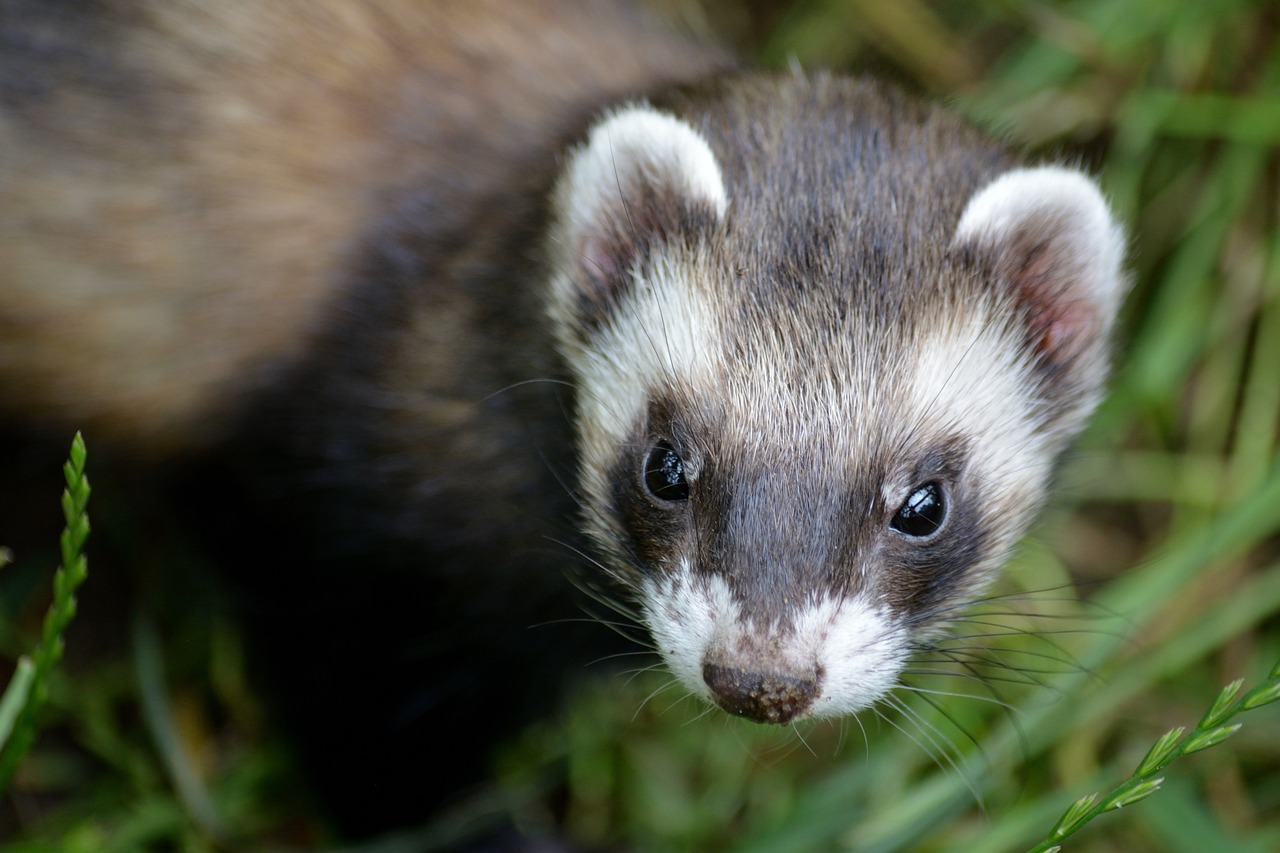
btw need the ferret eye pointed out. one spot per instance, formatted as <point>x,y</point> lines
<point>664,474</point>
<point>922,513</point>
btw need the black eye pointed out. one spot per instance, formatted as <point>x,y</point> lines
<point>922,513</point>
<point>664,474</point>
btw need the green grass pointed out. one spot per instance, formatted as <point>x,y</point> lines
<point>1153,581</point>
<point>28,690</point>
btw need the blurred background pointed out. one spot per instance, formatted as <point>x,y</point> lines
<point>1153,580</point>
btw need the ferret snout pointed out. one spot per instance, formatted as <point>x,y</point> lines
<point>831,657</point>
<point>764,697</point>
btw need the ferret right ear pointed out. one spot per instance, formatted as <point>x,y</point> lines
<point>643,178</point>
<point>1048,235</point>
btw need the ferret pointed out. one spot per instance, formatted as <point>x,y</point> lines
<point>462,309</point>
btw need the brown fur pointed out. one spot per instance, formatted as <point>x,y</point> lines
<point>183,193</point>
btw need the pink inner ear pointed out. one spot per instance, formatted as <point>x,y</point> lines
<point>641,217</point>
<point>1060,326</point>
<point>600,264</point>
<point>1061,331</point>
<point>606,255</point>
<point>1049,238</point>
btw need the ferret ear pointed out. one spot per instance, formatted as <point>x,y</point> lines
<point>642,178</point>
<point>1048,235</point>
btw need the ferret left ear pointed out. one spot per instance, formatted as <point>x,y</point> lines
<point>642,179</point>
<point>1048,235</point>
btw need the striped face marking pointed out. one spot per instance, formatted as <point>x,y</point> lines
<point>796,471</point>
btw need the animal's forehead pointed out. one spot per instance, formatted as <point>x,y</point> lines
<point>816,346</point>
<point>829,284</point>
<point>846,369</point>
<point>811,374</point>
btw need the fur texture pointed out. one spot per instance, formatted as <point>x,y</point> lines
<point>199,179</point>
<point>918,313</point>
<point>799,352</point>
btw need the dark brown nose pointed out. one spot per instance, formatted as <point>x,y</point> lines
<point>762,697</point>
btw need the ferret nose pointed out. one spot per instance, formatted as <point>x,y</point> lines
<point>762,697</point>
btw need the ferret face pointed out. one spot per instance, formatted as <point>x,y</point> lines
<point>801,458</point>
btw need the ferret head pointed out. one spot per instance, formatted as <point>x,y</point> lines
<point>827,345</point>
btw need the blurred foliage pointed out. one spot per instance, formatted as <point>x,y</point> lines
<point>1154,579</point>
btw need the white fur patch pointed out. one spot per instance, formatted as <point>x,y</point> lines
<point>683,614</point>
<point>862,652</point>
<point>858,649</point>
<point>667,336</point>
<point>970,379</point>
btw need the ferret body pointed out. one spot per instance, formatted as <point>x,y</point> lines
<point>453,291</point>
